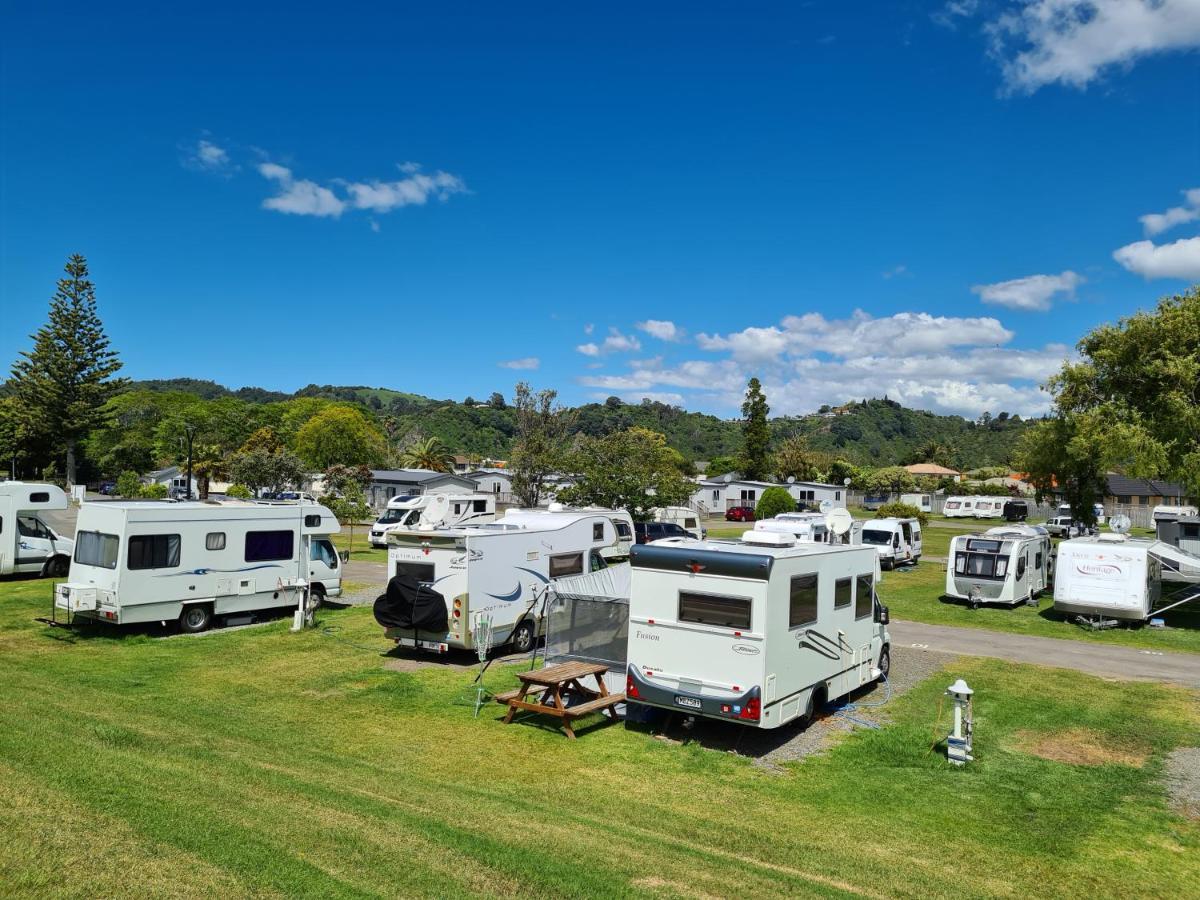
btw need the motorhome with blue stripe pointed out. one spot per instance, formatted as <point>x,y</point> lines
<point>760,632</point>
<point>500,569</point>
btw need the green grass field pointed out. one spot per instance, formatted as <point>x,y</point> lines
<point>362,551</point>
<point>256,761</point>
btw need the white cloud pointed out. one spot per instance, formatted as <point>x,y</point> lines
<point>525,362</point>
<point>616,342</point>
<point>950,14</point>
<point>1033,293</point>
<point>1156,223</point>
<point>589,328</point>
<point>1178,260</point>
<point>661,329</point>
<point>299,198</point>
<point>1073,42</point>
<point>415,190</point>
<point>308,198</point>
<point>589,349</point>
<point>206,156</point>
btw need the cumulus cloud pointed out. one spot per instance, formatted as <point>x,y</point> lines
<point>1178,260</point>
<point>1156,223</point>
<point>1074,42</point>
<point>302,197</point>
<point>661,329</point>
<point>525,362</point>
<point>206,156</point>
<point>414,190</point>
<point>616,342</point>
<point>299,197</point>
<point>1033,293</point>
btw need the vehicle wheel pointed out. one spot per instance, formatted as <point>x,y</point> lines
<point>885,662</point>
<point>316,596</point>
<point>975,604</point>
<point>523,637</point>
<point>57,567</point>
<point>195,619</point>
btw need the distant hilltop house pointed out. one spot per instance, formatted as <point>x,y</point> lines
<point>933,470</point>
<point>716,496</point>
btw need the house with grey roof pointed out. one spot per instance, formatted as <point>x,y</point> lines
<point>388,483</point>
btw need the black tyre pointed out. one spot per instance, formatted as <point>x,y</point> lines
<point>316,596</point>
<point>523,637</point>
<point>58,567</point>
<point>195,618</point>
<point>975,604</point>
<point>885,662</point>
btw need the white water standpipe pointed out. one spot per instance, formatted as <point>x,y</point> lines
<point>958,742</point>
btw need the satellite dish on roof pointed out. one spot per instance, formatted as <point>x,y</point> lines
<point>434,513</point>
<point>791,479</point>
<point>1120,524</point>
<point>839,520</point>
<point>728,477</point>
<point>826,506</point>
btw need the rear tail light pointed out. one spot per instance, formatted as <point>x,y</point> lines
<point>752,710</point>
<point>631,691</point>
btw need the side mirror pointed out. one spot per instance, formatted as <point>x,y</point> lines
<point>884,616</point>
<point>344,555</point>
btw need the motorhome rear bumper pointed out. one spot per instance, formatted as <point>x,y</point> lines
<point>727,707</point>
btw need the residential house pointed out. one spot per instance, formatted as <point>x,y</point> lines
<point>388,483</point>
<point>1134,492</point>
<point>933,470</point>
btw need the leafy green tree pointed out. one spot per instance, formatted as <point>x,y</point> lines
<point>633,470</point>
<point>496,401</point>
<point>899,510</point>
<point>773,502</point>
<point>720,465</point>
<point>795,459</point>
<point>840,470</point>
<point>13,450</point>
<point>895,479</point>
<point>340,479</point>
<point>129,485</point>
<point>340,434</point>
<point>1060,456</point>
<point>61,386</point>
<point>351,508</point>
<point>258,469</point>
<point>542,429</point>
<point>429,454</point>
<point>756,435</point>
<point>263,438</point>
<point>154,491</point>
<point>239,492</point>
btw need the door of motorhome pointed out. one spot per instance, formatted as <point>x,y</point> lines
<point>28,545</point>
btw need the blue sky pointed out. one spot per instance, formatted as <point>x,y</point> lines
<point>932,201</point>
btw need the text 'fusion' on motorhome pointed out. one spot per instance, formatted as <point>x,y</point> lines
<point>28,545</point>
<point>760,631</point>
<point>158,561</point>
<point>499,570</point>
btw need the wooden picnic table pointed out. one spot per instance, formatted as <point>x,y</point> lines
<point>551,683</point>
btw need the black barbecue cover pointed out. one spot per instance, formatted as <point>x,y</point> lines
<point>410,605</point>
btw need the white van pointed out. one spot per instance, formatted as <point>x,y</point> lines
<point>805,527</point>
<point>1009,564</point>
<point>406,512</point>
<point>759,632</point>
<point>686,518</point>
<point>897,541</point>
<point>158,561</point>
<point>27,544</point>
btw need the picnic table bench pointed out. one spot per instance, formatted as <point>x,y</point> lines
<point>551,683</point>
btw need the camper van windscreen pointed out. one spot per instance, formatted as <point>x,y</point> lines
<point>980,565</point>
<point>715,609</point>
<point>93,548</point>
<point>874,536</point>
<point>392,515</point>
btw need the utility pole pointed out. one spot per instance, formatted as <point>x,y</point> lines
<point>190,432</point>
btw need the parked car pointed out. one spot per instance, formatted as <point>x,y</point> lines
<point>739,514</point>
<point>108,488</point>
<point>645,532</point>
<point>1060,526</point>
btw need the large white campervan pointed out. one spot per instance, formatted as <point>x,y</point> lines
<point>897,541</point>
<point>1116,577</point>
<point>805,527</point>
<point>958,507</point>
<point>499,570</point>
<point>923,502</point>
<point>1064,509</point>
<point>156,561</point>
<point>27,544</point>
<point>761,631</point>
<point>1009,564</point>
<point>406,512</point>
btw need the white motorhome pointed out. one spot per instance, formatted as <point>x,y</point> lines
<point>27,544</point>
<point>760,632</point>
<point>989,507</point>
<point>1009,564</point>
<point>958,507</point>
<point>1166,513</point>
<point>897,541</point>
<point>499,569</point>
<point>683,516</point>
<point>156,561</point>
<point>923,502</point>
<point>407,512</point>
<point>805,527</point>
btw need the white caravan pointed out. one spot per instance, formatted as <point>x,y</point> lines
<point>27,544</point>
<point>1165,513</point>
<point>685,517</point>
<point>1064,509</point>
<point>760,632</point>
<point>500,570</point>
<point>923,502</point>
<point>897,541</point>
<point>989,507</point>
<point>1009,564</point>
<point>808,528</point>
<point>1117,577</point>
<point>958,507</point>
<point>157,561</point>
<point>407,512</point>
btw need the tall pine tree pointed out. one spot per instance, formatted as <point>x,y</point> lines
<point>755,434</point>
<point>61,385</point>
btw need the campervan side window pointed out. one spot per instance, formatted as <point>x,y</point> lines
<point>423,572</point>
<point>312,521</point>
<point>39,497</point>
<point>802,610</point>
<point>153,551</point>
<point>623,531</point>
<point>597,531</point>
<point>264,546</point>
<point>842,593</point>
<point>479,505</point>
<point>566,564</point>
<point>1037,561</point>
<point>864,596</point>
<point>214,540</point>
<point>94,548</point>
<point>715,609</point>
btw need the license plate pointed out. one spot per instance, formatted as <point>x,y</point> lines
<point>689,702</point>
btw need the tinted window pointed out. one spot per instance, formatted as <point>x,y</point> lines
<point>843,594</point>
<point>263,546</point>
<point>597,531</point>
<point>154,551</point>
<point>479,506</point>
<point>864,595</point>
<point>214,540</point>
<point>623,531</point>
<point>421,571</point>
<point>95,549</point>
<point>566,564</point>
<point>712,609</point>
<point>312,521</point>
<point>802,607</point>
<point>322,551</point>
<point>39,497</point>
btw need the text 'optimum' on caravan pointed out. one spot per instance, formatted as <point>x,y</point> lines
<point>1008,564</point>
<point>499,570</point>
<point>407,512</point>
<point>28,545</point>
<point>760,631</point>
<point>150,561</point>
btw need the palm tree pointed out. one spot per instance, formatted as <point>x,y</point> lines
<point>429,454</point>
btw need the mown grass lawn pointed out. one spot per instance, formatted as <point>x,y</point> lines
<point>258,761</point>
<point>362,551</point>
